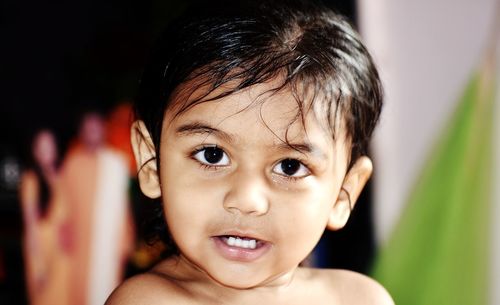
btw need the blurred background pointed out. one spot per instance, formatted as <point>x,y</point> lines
<point>426,227</point>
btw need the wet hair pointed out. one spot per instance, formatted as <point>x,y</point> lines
<point>312,51</point>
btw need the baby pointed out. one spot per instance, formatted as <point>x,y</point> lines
<point>253,122</point>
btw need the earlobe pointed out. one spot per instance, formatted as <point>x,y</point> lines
<point>350,190</point>
<point>145,157</point>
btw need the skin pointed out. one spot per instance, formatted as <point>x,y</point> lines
<point>45,154</point>
<point>248,193</point>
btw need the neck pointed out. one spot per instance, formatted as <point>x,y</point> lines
<point>185,271</point>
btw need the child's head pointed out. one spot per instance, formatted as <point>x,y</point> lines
<point>254,123</point>
<point>92,133</point>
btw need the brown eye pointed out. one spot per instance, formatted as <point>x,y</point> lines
<point>291,168</point>
<point>212,155</point>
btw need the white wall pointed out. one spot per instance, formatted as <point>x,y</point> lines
<point>426,51</point>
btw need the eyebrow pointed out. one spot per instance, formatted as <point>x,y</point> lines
<point>305,148</point>
<point>203,129</point>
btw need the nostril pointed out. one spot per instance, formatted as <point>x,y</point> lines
<point>231,209</point>
<point>250,204</point>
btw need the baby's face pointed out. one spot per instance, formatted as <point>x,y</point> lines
<point>242,205</point>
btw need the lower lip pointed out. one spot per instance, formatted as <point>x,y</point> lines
<point>240,254</point>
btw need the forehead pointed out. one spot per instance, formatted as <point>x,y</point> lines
<point>284,111</point>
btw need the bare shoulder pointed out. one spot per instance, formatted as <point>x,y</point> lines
<point>149,288</point>
<point>356,288</point>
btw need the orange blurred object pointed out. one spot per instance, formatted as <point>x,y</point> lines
<point>118,131</point>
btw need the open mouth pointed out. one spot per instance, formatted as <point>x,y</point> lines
<point>241,242</point>
<point>240,248</point>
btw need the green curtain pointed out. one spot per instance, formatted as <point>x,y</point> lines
<point>438,253</point>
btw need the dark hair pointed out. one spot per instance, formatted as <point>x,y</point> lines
<point>304,44</point>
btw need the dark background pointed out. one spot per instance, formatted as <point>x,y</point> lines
<point>60,58</point>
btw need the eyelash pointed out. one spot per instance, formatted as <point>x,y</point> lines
<point>294,178</point>
<point>216,167</point>
<point>290,178</point>
<point>208,167</point>
<point>203,165</point>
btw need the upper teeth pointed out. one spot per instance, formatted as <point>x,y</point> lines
<point>242,243</point>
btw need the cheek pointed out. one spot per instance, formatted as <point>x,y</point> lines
<point>188,202</point>
<point>184,214</point>
<point>304,218</point>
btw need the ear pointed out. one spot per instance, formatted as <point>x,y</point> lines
<point>145,157</point>
<point>352,186</point>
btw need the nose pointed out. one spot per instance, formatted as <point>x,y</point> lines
<point>247,195</point>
